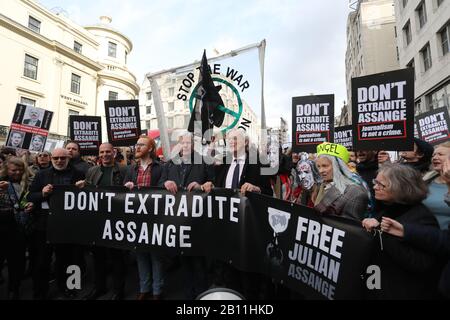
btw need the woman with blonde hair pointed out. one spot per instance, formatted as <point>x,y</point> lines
<point>438,185</point>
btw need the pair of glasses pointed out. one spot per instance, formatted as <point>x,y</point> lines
<point>59,158</point>
<point>378,183</point>
<point>139,145</point>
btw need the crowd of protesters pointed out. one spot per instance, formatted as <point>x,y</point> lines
<point>405,203</point>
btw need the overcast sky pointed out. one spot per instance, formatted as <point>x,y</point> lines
<point>306,40</point>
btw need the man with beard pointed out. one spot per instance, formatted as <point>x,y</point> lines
<point>75,157</point>
<point>147,173</point>
<point>60,173</point>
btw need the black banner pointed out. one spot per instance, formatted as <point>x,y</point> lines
<point>29,128</point>
<point>123,122</point>
<point>433,126</point>
<point>344,135</point>
<point>312,121</point>
<point>383,111</point>
<point>87,131</point>
<point>320,257</point>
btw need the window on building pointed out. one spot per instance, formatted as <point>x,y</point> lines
<point>422,14</point>
<point>171,92</point>
<point>407,32</point>
<point>28,101</point>
<point>31,67</point>
<point>445,35</point>
<point>398,56</point>
<point>171,106</point>
<point>126,57</point>
<point>149,95</point>
<point>77,47</point>
<point>439,2</point>
<point>148,109</point>
<point>404,3</point>
<point>112,95</point>
<point>75,84</point>
<point>426,57</point>
<point>112,49</point>
<point>147,124</point>
<point>34,24</point>
<point>73,112</point>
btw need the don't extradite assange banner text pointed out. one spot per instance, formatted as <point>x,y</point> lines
<point>316,256</point>
<point>312,121</point>
<point>87,131</point>
<point>434,126</point>
<point>383,111</point>
<point>123,122</point>
<point>344,136</point>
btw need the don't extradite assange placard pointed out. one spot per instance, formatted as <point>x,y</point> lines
<point>312,121</point>
<point>122,122</point>
<point>383,111</point>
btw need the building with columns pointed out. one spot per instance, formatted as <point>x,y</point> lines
<point>51,62</point>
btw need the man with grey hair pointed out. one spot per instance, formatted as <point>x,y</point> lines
<point>60,173</point>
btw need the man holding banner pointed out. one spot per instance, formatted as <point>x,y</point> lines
<point>147,173</point>
<point>188,171</point>
<point>107,174</point>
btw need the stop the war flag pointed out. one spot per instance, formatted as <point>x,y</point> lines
<point>383,111</point>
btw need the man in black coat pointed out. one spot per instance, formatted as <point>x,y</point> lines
<point>74,152</point>
<point>60,173</point>
<point>187,170</point>
<point>241,169</point>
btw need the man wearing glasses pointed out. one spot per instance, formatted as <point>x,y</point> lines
<point>60,173</point>
<point>146,173</point>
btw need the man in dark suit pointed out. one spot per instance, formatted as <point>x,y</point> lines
<point>241,170</point>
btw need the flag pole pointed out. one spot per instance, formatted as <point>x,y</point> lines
<point>163,133</point>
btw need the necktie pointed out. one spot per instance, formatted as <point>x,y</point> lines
<point>235,181</point>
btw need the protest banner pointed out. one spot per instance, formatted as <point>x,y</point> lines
<point>123,122</point>
<point>87,131</point>
<point>312,121</point>
<point>344,136</point>
<point>383,111</point>
<point>433,126</point>
<point>29,128</point>
<point>317,256</point>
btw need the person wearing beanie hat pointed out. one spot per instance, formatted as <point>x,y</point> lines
<point>420,157</point>
<point>341,192</point>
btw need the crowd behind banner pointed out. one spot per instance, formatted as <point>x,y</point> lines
<point>403,205</point>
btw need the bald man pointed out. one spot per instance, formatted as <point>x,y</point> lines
<point>61,173</point>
